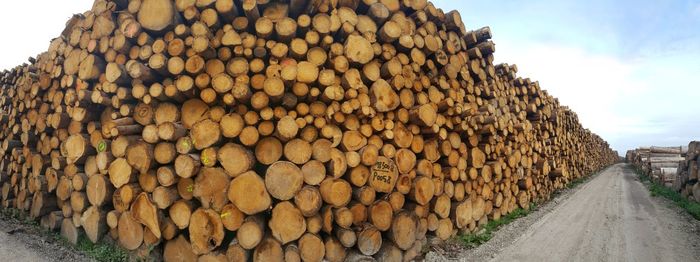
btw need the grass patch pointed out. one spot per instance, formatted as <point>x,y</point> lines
<point>473,240</point>
<point>101,251</point>
<point>577,182</point>
<point>656,190</point>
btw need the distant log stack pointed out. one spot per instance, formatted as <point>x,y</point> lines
<point>300,129</point>
<point>684,167</point>
<point>664,165</point>
<point>688,184</point>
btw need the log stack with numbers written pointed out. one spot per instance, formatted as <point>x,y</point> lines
<point>279,130</point>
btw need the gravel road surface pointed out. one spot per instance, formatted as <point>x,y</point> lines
<point>612,217</point>
<point>21,242</point>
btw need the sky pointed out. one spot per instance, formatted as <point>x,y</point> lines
<point>627,68</point>
<point>29,25</point>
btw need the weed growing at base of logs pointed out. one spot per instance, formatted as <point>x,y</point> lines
<point>692,207</point>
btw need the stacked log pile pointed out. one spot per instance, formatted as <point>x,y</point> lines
<point>271,130</point>
<point>662,164</point>
<point>688,173</point>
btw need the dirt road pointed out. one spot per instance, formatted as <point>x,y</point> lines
<point>20,242</point>
<point>611,218</point>
<point>13,250</point>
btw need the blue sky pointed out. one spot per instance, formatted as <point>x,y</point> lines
<point>628,68</point>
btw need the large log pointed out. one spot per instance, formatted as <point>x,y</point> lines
<point>157,15</point>
<point>247,191</point>
<point>206,230</point>
<point>665,150</point>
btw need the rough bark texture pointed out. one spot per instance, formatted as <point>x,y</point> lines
<point>315,130</point>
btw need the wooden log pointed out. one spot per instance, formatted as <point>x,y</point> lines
<point>69,231</point>
<point>308,200</point>
<point>286,223</point>
<point>383,175</point>
<point>358,49</point>
<point>41,204</point>
<point>381,215</point>
<point>178,249</point>
<point>383,97</point>
<point>423,190</point>
<point>186,165</point>
<point>298,151</point>
<point>205,134</point>
<point>235,159</point>
<point>311,247</point>
<point>369,240</point>
<point>93,221</point>
<point>157,16</point>
<point>251,232</point>
<point>206,230</point>
<point>76,147</point>
<point>248,192</point>
<point>236,253</point>
<point>145,212</point>
<point>665,150</point>
<point>283,180</point>
<point>389,252</point>
<point>336,192</point>
<point>403,230</point>
<point>130,231</point>
<point>210,188</point>
<point>268,150</point>
<point>163,196</point>
<point>231,217</point>
<point>120,172</point>
<point>140,156</point>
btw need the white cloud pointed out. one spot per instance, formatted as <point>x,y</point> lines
<point>591,85</point>
<point>628,103</point>
<point>696,10</point>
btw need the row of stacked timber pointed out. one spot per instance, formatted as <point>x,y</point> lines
<point>674,167</point>
<point>662,164</point>
<point>688,172</point>
<point>279,130</point>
